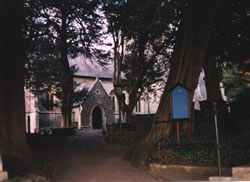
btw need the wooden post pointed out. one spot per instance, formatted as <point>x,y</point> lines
<point>177,127</point>
<point>189,132</point>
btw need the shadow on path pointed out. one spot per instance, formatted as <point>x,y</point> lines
<point>90,159</point>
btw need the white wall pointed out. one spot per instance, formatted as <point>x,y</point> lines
<point>31,111</point>
<point>76,117</point>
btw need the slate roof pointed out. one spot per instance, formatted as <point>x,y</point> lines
<point>88,68</point>
<point>89,86</point>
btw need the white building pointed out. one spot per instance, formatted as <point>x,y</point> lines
<point>93,77</point>
<point>31,112</point>
<point>86,76</point>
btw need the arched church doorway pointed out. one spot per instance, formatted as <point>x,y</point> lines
<point>97,118</point>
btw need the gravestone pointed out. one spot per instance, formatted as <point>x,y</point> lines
<point>3,174</point>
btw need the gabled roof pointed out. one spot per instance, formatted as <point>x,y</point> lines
<point>87,68</point>
<point>90,85</point>
<point>91,69</point>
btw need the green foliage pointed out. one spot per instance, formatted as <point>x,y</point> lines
<point>44,20</point>
<point>233,81</point>
<point>149,39</point>
<point>203,152</point>
<point>41,74</point>
<point>55,31</point>
<point>231,34</point>
<point>80,95</point>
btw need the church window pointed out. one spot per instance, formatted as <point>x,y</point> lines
<point>97,91</point>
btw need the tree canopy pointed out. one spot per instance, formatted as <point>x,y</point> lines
<point>56,31</point>
<point>231,35</point>
<point>143,40</point>
<point>228,45</point>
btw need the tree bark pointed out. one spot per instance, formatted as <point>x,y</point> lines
<point>129,108</point>
<point>189,51</point>
<point>118,40</point>
<point>212,79</point>
<point>12,108</point>
<point>67,91</point>
<point>67,76</point>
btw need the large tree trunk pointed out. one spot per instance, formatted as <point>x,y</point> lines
<point>212,78</point>
<point>129,108</point>
<point>67,91</point>
<point>67,76</point>
<point>118,40</point>
<point>188,56</point>
<point>12,108</point>
<point>138,71</point>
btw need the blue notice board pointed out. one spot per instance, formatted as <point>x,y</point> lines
<point>180,102</point>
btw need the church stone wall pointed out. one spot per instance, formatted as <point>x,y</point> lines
<point>97,97</point>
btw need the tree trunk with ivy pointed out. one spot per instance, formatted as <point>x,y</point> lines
<point>12,108</point>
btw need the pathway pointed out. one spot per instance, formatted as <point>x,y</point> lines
<point>90,159</point>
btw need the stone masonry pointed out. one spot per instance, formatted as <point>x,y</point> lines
<point>97,96</point>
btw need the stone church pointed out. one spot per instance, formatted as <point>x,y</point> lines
<point>100,107</point>
<point>97,109</point>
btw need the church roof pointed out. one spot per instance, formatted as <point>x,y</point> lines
<point>89,86</point>
<point>91,69</point>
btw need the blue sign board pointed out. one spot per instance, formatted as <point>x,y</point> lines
<point>180,103</point>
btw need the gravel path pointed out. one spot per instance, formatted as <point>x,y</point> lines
<point>90,159</point>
